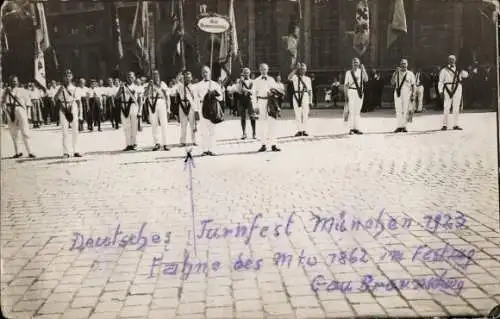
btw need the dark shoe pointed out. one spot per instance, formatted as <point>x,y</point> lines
<point>128,148</point>
<point>304,133</point>
<point>210,153</point>
<point>298,134</point>
<point>195,144</point>
<point>17,155</point>
<point>244,137</point>
<point>99,130</point>
<point>77,155</point>
<point>444,128</point>
<point>118,126</point>
<point>274,148</point>
<point>133,147</point>
<point>397,130</point>
<point>352,132</point>
<point>31,155</point>
<point>156,147</point>
<point>65,155</point>
<point>165,148</point>
<point>91,129</point>
<point>457,128</point>
<point>404,130</point>
<point>205,154</point>
<point>183,144</point>
<point>254,137</point>
<point>262,148</point>
<point>358,132</point>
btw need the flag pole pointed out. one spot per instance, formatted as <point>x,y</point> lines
<point>181,24</point>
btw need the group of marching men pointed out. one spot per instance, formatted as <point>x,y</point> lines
<point>260,98</point>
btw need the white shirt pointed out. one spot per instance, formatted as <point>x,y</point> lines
<point>19,95</point>
<point>131,91</point>
<point>110,90</point>
<point>154,92</point>
<point>95,92</point>
<point>446,77</point>
<point>191,95</point>
<point>299,87</point>
<point>83,92</point>
<point>68,96</point>
<point>409,81</point>
<point>263,87</point>
<point>52,91</point>
<point>202,90</point>
<point>35,94</point>
<point>349,80</point>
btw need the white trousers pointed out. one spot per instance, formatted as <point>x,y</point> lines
<point>301,114</point>
<point>402,105</point>
<point>208,134</point>
<point>450,102</point>
<point>268,129</point>
<point>355,104</point>
<point>185,121</point>
<point>129,125</point>
<point>159,117</point>
<point>20,123</point>
<point>419,97</point>
<point>65,129</point>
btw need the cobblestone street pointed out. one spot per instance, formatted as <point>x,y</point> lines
<point>301,258</point>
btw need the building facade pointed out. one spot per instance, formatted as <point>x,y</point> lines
<point>81,38</point>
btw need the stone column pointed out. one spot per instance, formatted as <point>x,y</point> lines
<point>306,43</point>
<point>374,40</point>
<point>251,34</point>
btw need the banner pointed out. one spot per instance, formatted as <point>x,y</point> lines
<point>42,42</point>
<point>140,34</point>
<point>229,49</point>
<point>361,38</point>
<point>397,27</point>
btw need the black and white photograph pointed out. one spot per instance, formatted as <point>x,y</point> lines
<point>249,159</point>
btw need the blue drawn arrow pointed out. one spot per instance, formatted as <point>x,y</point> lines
<point>189,163</point>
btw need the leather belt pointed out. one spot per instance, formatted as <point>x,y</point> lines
<point>262,97</point>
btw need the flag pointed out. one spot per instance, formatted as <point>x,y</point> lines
<point>116,32</point>
<point>361,37</point>
<point>42,42</point>
<point>397,27</point>
<point>229,49</point>
<point>140,34</point>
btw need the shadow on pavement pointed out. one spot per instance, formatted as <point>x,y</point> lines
<point>68,161</point>
<point>181,158</point>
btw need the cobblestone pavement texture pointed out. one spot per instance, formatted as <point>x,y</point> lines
<point>426,171</point>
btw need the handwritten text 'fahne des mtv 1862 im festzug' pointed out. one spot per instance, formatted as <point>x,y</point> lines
<point>209,230</point>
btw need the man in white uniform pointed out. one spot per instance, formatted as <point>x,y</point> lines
<point>205,86</point>
<point>419,91</point>
<point>51,92</point>
<point>158,101</point>
<point>188,107</point>
<point>353,85</point>
<point>69,100</point>
<point>263,85</point>
<point>95,105</point>
<point>450,88</point>
<point>14,102</point>
<point>35,95</point>
<point>403,81</point>
<point>302,97</point>
<point>83,107</point>
<point>128,97</point>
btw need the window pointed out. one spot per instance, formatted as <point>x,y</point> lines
<point>324,34</point>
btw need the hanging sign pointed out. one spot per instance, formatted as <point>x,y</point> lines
<point>213,24</point>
